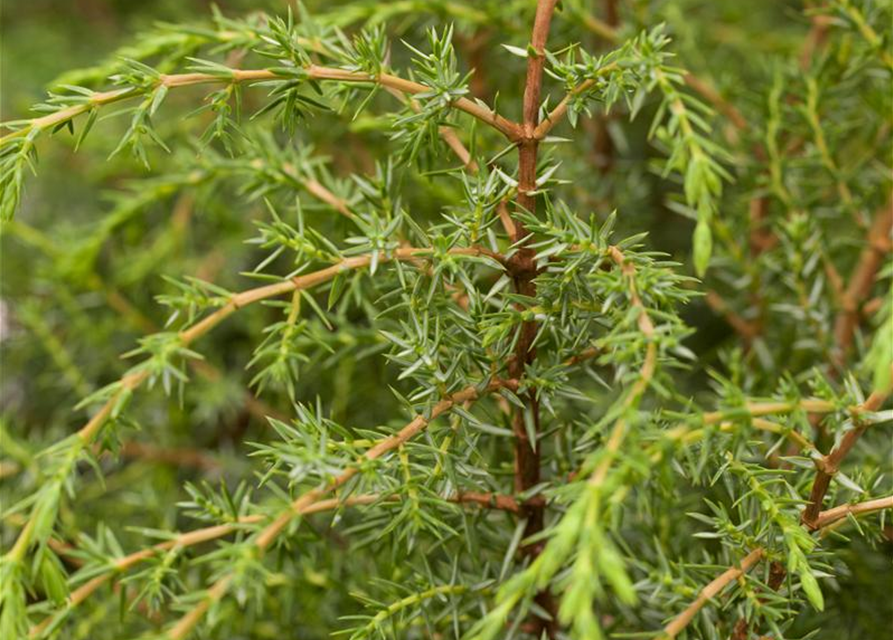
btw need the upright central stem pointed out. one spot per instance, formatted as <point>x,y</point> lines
<point>523,270</point>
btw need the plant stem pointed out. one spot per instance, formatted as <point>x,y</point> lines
<point>813,518</point>
<point>646,371</point>
<point>829,465</point>
<point>825,519</point>
<point>207,534</point>
<point>709,592</point>
<point>272,531</point>
<point>313,72</point>
<point>830,516</point>
<point>523,270</point>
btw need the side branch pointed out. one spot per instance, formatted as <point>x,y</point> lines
<point>835,514</point>
<point>709,592</point>
<point>313,72</point>
<point>829,465</point>
<point>271,532</point>
<point>207,534</point>
<point>556,114</point>
<point>813,522</point>
<point>646,372</point>
<point>825,519</point>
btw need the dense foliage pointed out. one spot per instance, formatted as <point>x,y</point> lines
<point>446,319</point>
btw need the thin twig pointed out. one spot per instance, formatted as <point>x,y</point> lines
<point>711,95</point>
<point>208,534</point>
<point>609,32</point>
<point>314,72</point>
<point>826,519</point>
<point>709,592</point>
<point>828,465</point>
<point>746,329</point>
<point>268,536</point>
<point>447,134</point>
<point>830,516</point>
<point>646,371</point>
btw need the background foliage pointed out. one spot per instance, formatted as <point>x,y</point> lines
<point>711,306</point>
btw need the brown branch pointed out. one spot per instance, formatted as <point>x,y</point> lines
<point>862,280</point>
<point>830,516</point>
<point>179,457</point>
<point>815,39</point>
<point>609,32</point>
<point>447,134</point>
<point>777,574</point>
<point>506,219</point>
<point>711,95</point>
<point>500,502</point>
<point>709,592</point>
<point>509,129</point>
<point>130,312</point>
<point>829,464</point>
<point>523,267</point>
<point>523,271</point>
<point>756,409</point>
<point>208,534</point>
<point>599,27</point>
<point>451,138</point>
<point>418,424</point>
<point>556,114</point>
<point>821,520</point>
<point>183,540</point>
<point>272,531</point>
<point>701,86</point>
<point>316,189</point>
<point>872,306</point>
<point>474,108</point>
<point>586,354</point>
<point>612,13</point>
<point>535,64</point>
<point>760,239</point>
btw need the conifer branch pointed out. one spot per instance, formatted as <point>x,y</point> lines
<point>609,32</point>
<point>827,466</point>
<point>708,593</point>
<point>269,534</point>
<point>208,534</point>
<point>312,72</point>
<point>830,516</point>
<point>646,371</point>
<point>526,419</point>
<point>582,400</point>
<point>128,383</point>
<point>732,574</point>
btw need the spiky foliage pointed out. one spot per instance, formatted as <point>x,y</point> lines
<point>408,363</point>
